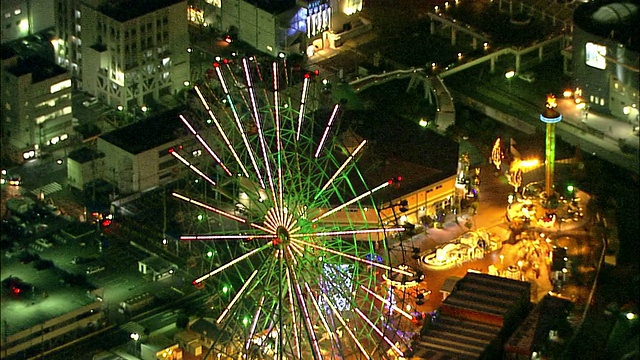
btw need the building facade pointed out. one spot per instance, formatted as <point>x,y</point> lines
<point>36,107</point>
<point>273,27</point>
<point>21,18</point>
<point>606,52</point>
<point>139,157</point>
<point>128,53</point>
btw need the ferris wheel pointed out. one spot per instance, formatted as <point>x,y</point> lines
<point>300,256</point>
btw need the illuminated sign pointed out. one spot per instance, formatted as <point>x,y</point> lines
<point>594,55</point>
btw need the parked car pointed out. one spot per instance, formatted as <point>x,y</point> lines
<point>82,260</point>
<point>94,269</point>
<point>44,243</point>
<point>90,102</point>
<point>527,76</point>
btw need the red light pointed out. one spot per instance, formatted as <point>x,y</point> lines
<point>225,61</point>
<point>171,150</point>
<point>216,64</point>
<point>399,178</point>
<point>106,223</point>
<point>180,147</point>
<point>316,72</point>
<point>16,290</point>
<point>306,76</point>
<point>390,182</point>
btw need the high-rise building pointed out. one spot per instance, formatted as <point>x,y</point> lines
<point>21,18</point>
<point>127,53</point>
<point>36,106</point>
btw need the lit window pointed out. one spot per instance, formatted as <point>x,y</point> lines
<point>595,55</point>
<point>60,86</point>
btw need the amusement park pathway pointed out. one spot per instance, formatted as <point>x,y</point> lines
<point>493,191</point>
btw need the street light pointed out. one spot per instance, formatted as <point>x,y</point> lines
<point>509,75</point>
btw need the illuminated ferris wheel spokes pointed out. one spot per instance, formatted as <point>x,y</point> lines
<point>314,274</point>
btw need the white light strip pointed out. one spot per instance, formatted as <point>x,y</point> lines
<point>346,327</point>
<point>327,129</point>
<point>230,263</point>
<point>350,232</point>
<point>225,237</point>
<point>221,131</point>
<point>258,121</point>
<point>387,302</point>
<point>307,319</point>
<point>191,166</point>
<point>293,315</point>
<point>375,328</point>
<point>303,99</point>
<point>237,297</point>
<point>312,296</point>
<point>204,144</point>
<point>254,323</point>
<point>333,177</point>
<point>209,207</point>
<point>364,261</point>
<point>240,127</point>
<point>340,207</point>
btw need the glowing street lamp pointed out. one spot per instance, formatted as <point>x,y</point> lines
<point>510,75</point>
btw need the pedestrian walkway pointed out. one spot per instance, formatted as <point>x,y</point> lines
<point>47,189</point>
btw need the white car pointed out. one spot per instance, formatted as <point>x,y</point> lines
<point>92,101</point>
<point>528,77</point>
<point>44,243</point>
<point>94,269</point>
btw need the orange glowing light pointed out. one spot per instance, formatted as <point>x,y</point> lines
<point>551,101</point>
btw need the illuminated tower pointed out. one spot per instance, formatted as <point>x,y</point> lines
<point>550,117</point>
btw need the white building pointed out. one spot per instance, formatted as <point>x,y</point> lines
<point>21,18</point>
<point>138,156</point>
<point>128,53</point>
<point>272,27</point>
<point>36,106</point>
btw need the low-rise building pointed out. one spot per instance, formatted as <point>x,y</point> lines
<point>138,156</point>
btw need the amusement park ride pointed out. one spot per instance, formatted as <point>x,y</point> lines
<point>307,255</point>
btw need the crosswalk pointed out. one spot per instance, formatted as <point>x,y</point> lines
<point>50,188</point>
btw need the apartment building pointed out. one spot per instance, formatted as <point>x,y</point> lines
<point>36,106</point>
<point>127,53</point>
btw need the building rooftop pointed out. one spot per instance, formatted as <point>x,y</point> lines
<point>125,10</point>
<point>85,154</point>
<point>273,6</point>
<point>615,19</point>
<point>449,337</point>
<point>39,69</point>
<point>400,148</point>
<point>147,134</point>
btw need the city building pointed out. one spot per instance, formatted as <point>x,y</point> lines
<point>21,18</point>
<point>272,27</point>
<point>127,53</point>
<point>606,57</point>
<point>475,319</point>
<point>36,106</point>
<point>424,163</point>
<point>23,336</point>
<point>84,165</point>
<point>138,155</point>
